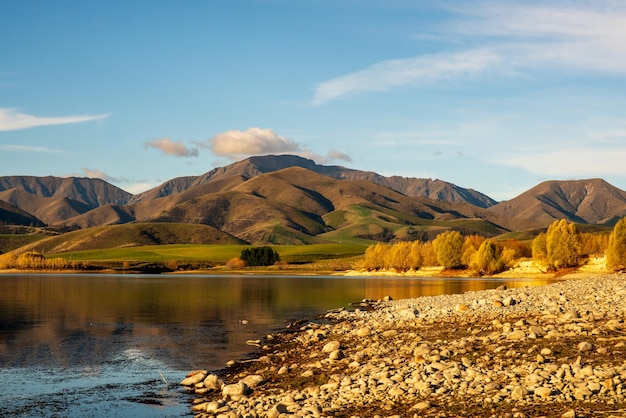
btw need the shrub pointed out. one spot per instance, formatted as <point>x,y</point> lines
<point>616,250</point>
<point>449,247</point>
<point>235,263</point>
<point>260,256</point>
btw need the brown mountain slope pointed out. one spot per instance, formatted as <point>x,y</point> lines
<point>256,166</point>
<point>11,215</point>
<point>290,206</point>
<point>54,199</point>
<point>591,201</point>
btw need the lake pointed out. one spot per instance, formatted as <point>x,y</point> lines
<point>117,345</point>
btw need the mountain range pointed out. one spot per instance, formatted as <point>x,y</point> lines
<point>289,199</point>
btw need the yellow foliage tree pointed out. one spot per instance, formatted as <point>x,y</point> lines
<point>449,246</point>
<point>562,244</point>
<point>616,250</point>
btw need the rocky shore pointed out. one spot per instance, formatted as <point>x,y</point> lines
<point>556,351</point>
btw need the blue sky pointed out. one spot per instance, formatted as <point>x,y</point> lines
<point>495,96</point>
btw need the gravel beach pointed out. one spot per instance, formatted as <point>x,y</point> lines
<point>557,351</point>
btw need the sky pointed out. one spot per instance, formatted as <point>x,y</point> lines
<point>496,96</point>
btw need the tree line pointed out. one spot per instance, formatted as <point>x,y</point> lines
<point>561,246</point>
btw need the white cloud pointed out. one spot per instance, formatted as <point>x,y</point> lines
<point>507,39</point>
<point>254,141</point>
<point>235,145</point>
<point>170,147</point>
<point>11,120</point>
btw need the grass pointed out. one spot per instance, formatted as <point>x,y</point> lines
<point>213,253</point>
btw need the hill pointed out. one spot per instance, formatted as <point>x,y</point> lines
<point>256,166</point>
<point>292,200</point>
<point>11,215</point>
<point>55,199</point>
<point>591,201</point>
<point>131,235</point>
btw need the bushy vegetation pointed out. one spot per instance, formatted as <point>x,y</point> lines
<point>35,261</point>
<point>616,250</point>
<point>561,246</point>
<point>449,250</point>
<point>260,256</point>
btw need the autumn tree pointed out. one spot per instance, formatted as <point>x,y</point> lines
<point>539,250</point>
<point>487,259</point>
<point>562,244</point>
<point>448,247</point>
<point>470,246</point>
<point>616,250</point>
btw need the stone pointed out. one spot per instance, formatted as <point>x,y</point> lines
<point>508,301</point>
<point>252,381</point>
<point>461,307</point>
<point>420,406</point>
<point>518,392</point>
<point>213,382</point>
<point>363,332</point>
<point>537,330</point>
<point>235,389</point>
<point>194,377</point>
<point>336,355</point>
<point>585,346</point>
<point>543,392</point>
<point>331,346</point>
<point>518,334</point>
<point>570,413</point>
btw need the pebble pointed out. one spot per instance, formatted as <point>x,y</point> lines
<point>554,345</point>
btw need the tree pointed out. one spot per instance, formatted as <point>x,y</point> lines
<point>616,251</point>
<point>487,259</point>
<point>449,248</point>
<point>539,250</point>
<point>260,256</point>
<point>562,244</point>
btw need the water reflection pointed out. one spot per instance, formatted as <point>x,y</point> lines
<point>80,332</point>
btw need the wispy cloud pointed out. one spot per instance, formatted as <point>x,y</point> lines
<point>27,148</point>
<point>390,74</point>
<point>569,162</point>
<point>505,40</point>
<point>12,120</point>
<point>99,174</point>
<point>170,147</point>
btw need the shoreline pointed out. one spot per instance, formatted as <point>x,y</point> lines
<point>555,350</point>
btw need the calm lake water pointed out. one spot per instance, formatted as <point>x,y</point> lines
<point>105,345</point>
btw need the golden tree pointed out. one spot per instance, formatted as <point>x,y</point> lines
<point>562,244</point>
<point>616,250</point>
<point>449,249</point>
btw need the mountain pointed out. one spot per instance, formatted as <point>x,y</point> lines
<point>591,201</point>
<point>255,166</point>
<point>290,200</point>
<point>54,199</point>
<point>12,215</point>
<point>296,205</point>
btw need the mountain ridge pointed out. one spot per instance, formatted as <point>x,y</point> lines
<point>290,199</point>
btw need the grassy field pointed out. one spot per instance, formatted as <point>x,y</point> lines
<point>213,253</point>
